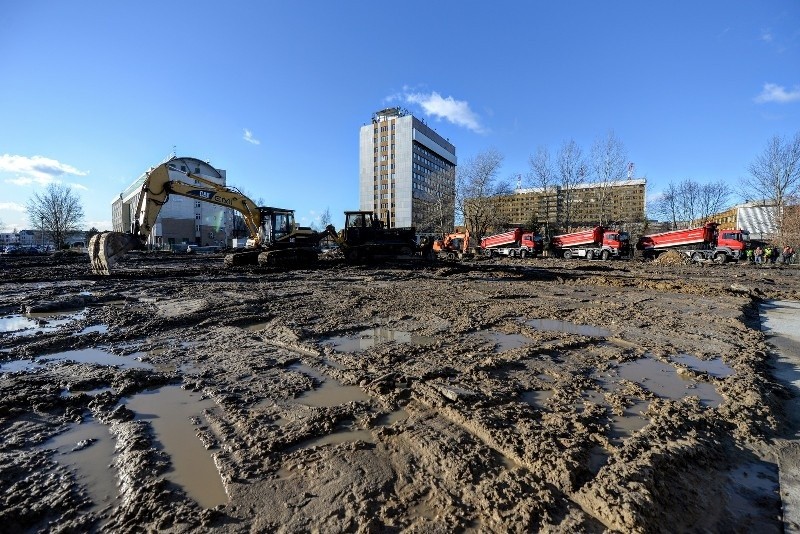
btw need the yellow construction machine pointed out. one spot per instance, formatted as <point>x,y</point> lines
<point>274,238</point>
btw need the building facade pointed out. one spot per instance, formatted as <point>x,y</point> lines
<point>760,219</point>
<point>406,171</point>
<point>182,220</point>
<point>583,205</point>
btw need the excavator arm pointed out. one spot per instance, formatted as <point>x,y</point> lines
<point>106,248</point>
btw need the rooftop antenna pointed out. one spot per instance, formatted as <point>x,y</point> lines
<point>519,181</point>
<point>631,168</point>
<point>174,155</point>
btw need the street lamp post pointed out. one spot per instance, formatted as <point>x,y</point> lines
<point>42,231</point>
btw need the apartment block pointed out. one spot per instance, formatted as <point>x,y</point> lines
<point>583,205</point>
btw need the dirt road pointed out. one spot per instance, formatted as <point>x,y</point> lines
<point>495,396</point>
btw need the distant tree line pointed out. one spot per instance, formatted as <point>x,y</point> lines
<point>479,184</point>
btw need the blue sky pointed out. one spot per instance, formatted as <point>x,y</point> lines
<point>92,93</point>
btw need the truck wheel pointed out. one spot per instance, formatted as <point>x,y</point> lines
<point>523,254</point>
<point>489,253</point>
<point>567,254</point>
<point>605,255</point>
<point>590,254</point>
<point>720,258</point>
<point>697,257</point>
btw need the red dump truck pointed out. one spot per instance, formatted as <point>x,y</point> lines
<point>598,242</point>
<point>702,243</point>
<point>516,243</point>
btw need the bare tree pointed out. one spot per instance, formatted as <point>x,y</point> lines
<point>690,202</point>
<point>325,218</point>
<point>541,176</point>
<point>477,189</point>
<point>57,211</point>
<point>775,173</point>
<point>713,199</point>
<point>571,173</point>
<point>608,161</point>
<point>666,205</point>
<point>438,204</point>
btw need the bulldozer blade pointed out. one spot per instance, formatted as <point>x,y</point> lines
<point>106,248</point>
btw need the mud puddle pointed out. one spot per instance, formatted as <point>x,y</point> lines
<point>554,325</point>
<point>87,449</point>
<point>503,342</point>
<point>714,367</point>
<point>170,411</point>
<point>661,379</point>
<point>31,324</point>
<point>372,337</point>
<point>91,392</point>
<point>330,392</point>
<point>347,433</point>
<point>92,355</point>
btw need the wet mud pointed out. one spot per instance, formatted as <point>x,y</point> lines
<point>490,396</point>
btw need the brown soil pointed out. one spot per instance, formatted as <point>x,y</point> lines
<point>532,395</point>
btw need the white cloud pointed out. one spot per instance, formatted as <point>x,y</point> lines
<point>777,93</point>
<point>36,169</point>
<point>12,206</point>
<point>454,111</point>
<point>766,35</point>
<point>78,186</point>
<point>248,136</point>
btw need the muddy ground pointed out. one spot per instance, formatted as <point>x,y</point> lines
<point>492,396</point>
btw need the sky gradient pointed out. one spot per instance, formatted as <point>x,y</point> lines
<point>94,93</point>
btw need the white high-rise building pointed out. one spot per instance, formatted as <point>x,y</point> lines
<point>406,171</point>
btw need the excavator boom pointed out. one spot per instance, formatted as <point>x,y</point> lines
<point>106,248</point>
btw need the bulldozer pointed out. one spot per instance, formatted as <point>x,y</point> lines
<point>274,238</point>
<point>365,238</point>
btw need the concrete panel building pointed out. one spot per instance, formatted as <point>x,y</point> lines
<point>406,170</point>
<point>182,220</point>
<point>619,202</point>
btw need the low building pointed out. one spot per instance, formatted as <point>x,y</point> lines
<point>182,219</point>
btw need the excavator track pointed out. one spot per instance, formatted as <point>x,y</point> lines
<point>238,259</point>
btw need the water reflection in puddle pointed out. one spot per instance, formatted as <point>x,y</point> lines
<point>91,392</point>
<point>99,328</point>
<point>330,392</point>
<point>715,367</point>
<point>346,434</point>
<point>87,450</point>
<point>663,380</point>
<point>553,325</point>
<point>34,323</point>
<point>504,342</point>
<point>169,410</point>
<point>94,356</point>
<point>375,336</point>
<point>625,425</point>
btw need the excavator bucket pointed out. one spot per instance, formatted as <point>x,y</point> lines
<point>106,248</point>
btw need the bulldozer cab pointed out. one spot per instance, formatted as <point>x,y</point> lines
<point>277,223</point>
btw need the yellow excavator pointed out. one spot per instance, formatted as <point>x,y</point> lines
<point>274,239</point>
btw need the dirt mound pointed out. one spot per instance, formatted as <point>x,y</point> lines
<point>672,257</point>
